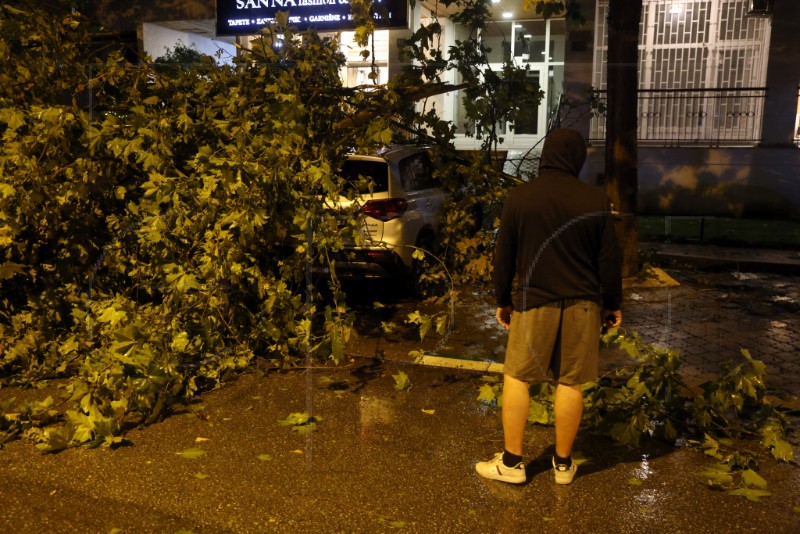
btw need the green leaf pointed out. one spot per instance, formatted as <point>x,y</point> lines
<point>180,341</point>
<point>711,447</point>
<point>56,439</point>
<point>626,433</point>
<point>717,476</point>
<point>388,327</point>
<point>10,269</point>
<point>13,117</point>
<point>192,453</point>
<point>752,479</point>
<point>441,325</point>
<point>112,315</point>
<point>401,381</point>
<point>539,413</point>
<point>296,418</point>
<point>301,422</point>
<point>634,481</point>
<point>182,281</point>
<point>305,429</point>
<point>782,450</point>
<point>669,430</point>
<point>393,523</point>
<point>749,493</point>
<point>578,458</point>
<point>424,322</point>
<point>69,346</point>
<point>487,394</point>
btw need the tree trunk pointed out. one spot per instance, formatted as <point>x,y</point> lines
<point>621,178</point>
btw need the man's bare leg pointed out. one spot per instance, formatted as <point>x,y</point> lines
<point>568,407</point>
<point>516,406</point>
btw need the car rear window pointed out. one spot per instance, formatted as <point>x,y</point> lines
<point>377,171</point>
<point>416,173</point>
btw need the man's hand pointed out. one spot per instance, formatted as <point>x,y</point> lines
<point>611,318</point>
<point>504,316</point>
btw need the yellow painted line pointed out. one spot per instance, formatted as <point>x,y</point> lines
<point>456,363</point>
<point>654,277</point>
<point>664,278</point>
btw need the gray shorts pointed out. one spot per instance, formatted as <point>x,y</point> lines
<point>559,340</point>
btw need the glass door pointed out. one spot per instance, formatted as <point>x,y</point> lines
<point>538,46</point>
<point>531,123</point>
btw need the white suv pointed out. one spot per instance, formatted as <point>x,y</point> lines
<point>398,214</point>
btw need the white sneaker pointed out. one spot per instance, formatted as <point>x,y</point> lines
<point>497,470</point>
<point>564,473</point>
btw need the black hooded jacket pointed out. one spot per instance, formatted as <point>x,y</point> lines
<point>557,235</point>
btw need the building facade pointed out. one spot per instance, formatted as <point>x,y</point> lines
<point>719,81</point>
<point>718,108</point>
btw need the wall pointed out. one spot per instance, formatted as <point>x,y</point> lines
<point>740,182</point>
<point>157,39</point>
<point>762,181</point>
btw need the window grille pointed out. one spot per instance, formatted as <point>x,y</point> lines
<point>687,46</point>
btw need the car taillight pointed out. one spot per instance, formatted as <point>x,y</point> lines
<point>385,209</point>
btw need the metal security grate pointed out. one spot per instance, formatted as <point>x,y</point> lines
<point>699,62</point>
<point>695,117</point>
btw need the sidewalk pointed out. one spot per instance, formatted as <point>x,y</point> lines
<point>739,299</point>
<point>740,258</point>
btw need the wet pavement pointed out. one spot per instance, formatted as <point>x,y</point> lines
<point>711,317</point>
<point>384,460</point>
<point>380,461</point>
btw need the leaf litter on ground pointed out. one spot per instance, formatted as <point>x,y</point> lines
<point>192,453</point>
<point>301,423</point>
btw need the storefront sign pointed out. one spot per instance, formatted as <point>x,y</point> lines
<point>247,17</point>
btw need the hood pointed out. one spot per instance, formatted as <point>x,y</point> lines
<point>565,150</point>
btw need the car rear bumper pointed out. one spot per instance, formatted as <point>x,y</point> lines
<point>360,264</point>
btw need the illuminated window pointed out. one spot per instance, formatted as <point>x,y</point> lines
<point>359,68</point>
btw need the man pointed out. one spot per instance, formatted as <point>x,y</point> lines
<point>557,237</point>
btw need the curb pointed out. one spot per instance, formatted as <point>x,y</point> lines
<point>455,363</point>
